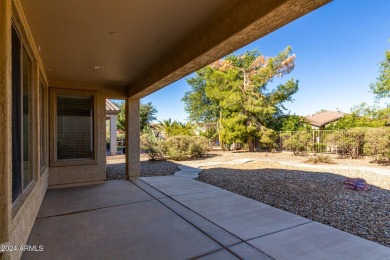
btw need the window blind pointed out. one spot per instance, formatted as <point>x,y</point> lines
<point>75,127</point>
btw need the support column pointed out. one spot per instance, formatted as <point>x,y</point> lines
<point>113,139</point>
<point>132,138</point>
<point>5,120</point>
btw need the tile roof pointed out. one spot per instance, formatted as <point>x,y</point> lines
<point>111,108</point>
<point>323,118</point>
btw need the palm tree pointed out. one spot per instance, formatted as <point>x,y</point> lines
<point>166,127</point>
<point>185,128</point>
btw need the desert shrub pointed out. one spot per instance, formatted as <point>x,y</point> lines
<point>297,142</point>
<point>377,142</point>
<point>349,142</point>
<point>150,145</point>
<point>320,159</point>
<point>184,147</point>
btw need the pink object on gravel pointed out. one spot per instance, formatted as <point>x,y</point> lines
<point>355,184</point>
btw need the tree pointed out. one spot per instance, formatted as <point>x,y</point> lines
<point>121,117</point>
<point>198,105</point>
<point>147,113</point>
<point>207,130</point>
<point>232,93</point>
<point>382,87</point>
<point>363,115</point>
<point>291,123</point>
<point>147,116</point>
<point>183,129</point>
<point>170,128</point>
<point>269,138</point>
<point>166,127</point>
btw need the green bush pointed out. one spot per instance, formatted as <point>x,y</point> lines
<point>150,145</point>
<point>184,147</point>
<point>349,143</point>
<point>377,142</point>
<point>297,142</point>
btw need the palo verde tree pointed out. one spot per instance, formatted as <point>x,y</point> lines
<point>232,93</point>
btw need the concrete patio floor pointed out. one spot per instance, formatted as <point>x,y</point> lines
<point>179,218</point>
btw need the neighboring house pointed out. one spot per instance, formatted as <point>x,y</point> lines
<point>321,119</point>
<point>61,60</point>
<point>112,111</point>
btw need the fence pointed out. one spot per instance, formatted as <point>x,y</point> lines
<point>321,141</point>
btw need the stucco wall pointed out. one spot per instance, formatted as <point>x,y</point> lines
<point>16,220</point>
<point>21,224</point>
<point>5,118</point>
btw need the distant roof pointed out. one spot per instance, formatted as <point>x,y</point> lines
<point>323,118</point>
<point>111,108</point>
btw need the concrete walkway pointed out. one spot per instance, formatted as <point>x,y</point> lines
<point>169,217</point>
<point>193,171</point>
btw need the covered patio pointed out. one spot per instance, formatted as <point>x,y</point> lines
<point>179,218</point>
<point>61,60</point>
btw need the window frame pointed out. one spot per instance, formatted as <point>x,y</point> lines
<point>54,162</point>
<point>25,189</point>
<point>43,125</point>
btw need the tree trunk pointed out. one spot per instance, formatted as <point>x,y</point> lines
<point>251,145</point>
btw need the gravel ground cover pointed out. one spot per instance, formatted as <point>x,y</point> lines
<point>116,167</point>
<point>219,155</point>
<point>313,193</point>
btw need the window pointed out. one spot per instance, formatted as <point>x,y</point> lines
<point>43,125</point>
<point>22,174</point>
<point>75,127</point>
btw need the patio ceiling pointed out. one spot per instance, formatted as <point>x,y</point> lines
<point>145,45</point>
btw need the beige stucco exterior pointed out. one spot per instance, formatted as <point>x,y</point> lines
<point>16,219</point>
<point>132,144</point>
<point>5,119</point>
<point>236,25</point>
<point>23,219</point>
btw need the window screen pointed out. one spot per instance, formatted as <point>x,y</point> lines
<point>75,127</point>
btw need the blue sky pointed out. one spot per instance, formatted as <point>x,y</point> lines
<point>338,49</point>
